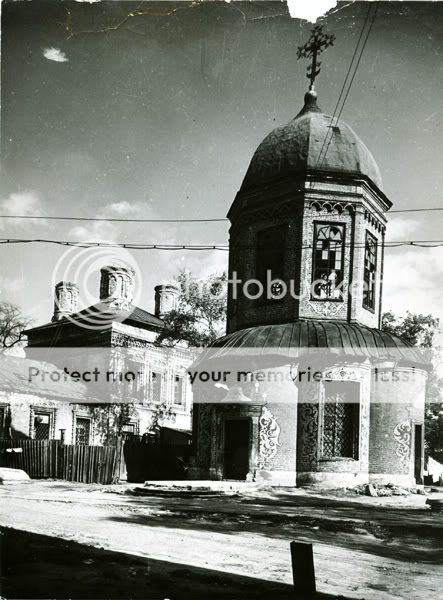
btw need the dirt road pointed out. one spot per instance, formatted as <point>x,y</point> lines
<point>361,549</point>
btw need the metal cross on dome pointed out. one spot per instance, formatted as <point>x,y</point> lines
<point>318,41</point>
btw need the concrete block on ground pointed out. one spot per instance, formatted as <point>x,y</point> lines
<point>13,476</point>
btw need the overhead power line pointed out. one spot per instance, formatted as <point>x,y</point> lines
<point>223,247</point>
<point>220,220</point>
<point>128,245</point>
<point>407,210</point>
<point>345,82</point>
<point>351,81</point>
<point>111,219</point>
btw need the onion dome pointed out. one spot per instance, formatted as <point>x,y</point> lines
<point>294,150</point>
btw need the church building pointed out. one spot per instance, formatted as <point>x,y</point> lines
<point>305,388</point>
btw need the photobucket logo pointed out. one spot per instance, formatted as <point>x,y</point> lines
<point>212,289</point>
<point>328,287</point>
<point>94,287</point>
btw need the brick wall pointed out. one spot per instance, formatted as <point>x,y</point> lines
<point>244,312</point>
<point>396,406</point>
<point>354,206</point>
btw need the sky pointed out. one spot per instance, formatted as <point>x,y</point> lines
<point>154,109</point>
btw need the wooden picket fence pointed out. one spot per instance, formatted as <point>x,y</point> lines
<point>50,459</point>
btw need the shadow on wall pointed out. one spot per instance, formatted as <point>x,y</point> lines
<point>15,434</point>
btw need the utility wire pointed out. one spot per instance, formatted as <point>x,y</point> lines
<point>112,220</point>
<point>345,82</point>
<point>221,220</point>
<point>358,62</point>
<point>179,247</point>
<point>128,245</point>
<point>407,210</point>
<point>352,80</point>
<point>222,247</point>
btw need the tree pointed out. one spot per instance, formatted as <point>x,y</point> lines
<point>12,325</point>
<point>420,330</point>
<point>160,413</point>
<point>200,315</point>
<point>417,330</point>
<point>109,420</point>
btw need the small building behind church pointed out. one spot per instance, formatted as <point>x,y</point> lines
<point>117,337</point>
<point>33,409</point>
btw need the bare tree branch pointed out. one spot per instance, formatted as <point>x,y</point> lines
<point>12,325</point>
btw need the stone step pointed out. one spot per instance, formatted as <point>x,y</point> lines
<point>194,488</point>
<point>225,485</point>
<point>176,491</point>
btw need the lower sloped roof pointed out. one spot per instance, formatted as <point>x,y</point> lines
<point>103,312</point>
<point>288,341</point>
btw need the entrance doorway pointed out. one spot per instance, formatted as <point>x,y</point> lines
<point>236,448</point>
<point>418,454</point>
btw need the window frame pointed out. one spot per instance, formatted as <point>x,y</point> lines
<point>356,418</point>
<point>316,223</point>
<point>84,418</point>
<point>365,304</point>
<point>178,378</point>
<point>158,374</point>
<point>135,424</point>
<point>51,412</point>
<point>134,388</point>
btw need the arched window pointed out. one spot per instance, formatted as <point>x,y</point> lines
<point>328,255</point>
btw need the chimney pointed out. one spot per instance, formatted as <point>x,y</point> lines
<point>166,298</point>
<point>66,299</point>
<point>117,286</point>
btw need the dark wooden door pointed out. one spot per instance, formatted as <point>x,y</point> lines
<point>236,448</point>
